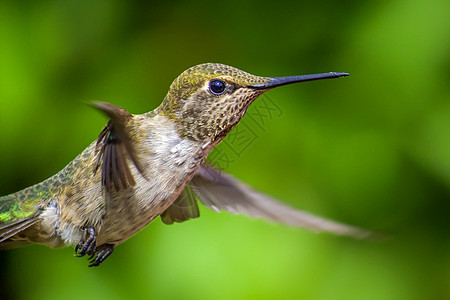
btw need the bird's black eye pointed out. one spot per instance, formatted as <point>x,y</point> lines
<point>217,86</point>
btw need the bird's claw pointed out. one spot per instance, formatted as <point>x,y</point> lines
<point>87,244</point>
<point>101,254</point>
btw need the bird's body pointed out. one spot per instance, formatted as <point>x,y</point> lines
<point>77,199</point>
<point>150,165</point>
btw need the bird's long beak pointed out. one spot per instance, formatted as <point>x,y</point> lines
<point>279,81</point>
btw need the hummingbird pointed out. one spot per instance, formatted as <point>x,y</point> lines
<point>153,164</point>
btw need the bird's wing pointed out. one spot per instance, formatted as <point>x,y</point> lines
<point>184,208</point>
<point>113,148</point>
<point>220,191</point>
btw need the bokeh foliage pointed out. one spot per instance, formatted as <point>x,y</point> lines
<point>372,149</point>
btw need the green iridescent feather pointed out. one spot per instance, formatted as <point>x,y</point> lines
<point>27,202</point>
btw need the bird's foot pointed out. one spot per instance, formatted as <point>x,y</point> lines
<point>87,243</point>
<point>101,254</point>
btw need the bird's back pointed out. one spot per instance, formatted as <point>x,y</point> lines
<point>20,211</point>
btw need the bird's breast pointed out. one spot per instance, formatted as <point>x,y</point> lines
<point>169,162</point>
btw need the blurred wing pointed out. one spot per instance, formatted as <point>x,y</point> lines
<point>114,147</point>
<point>220,191</point>
<point>184,208</point>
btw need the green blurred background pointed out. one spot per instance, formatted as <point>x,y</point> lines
<point>371,150</point>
